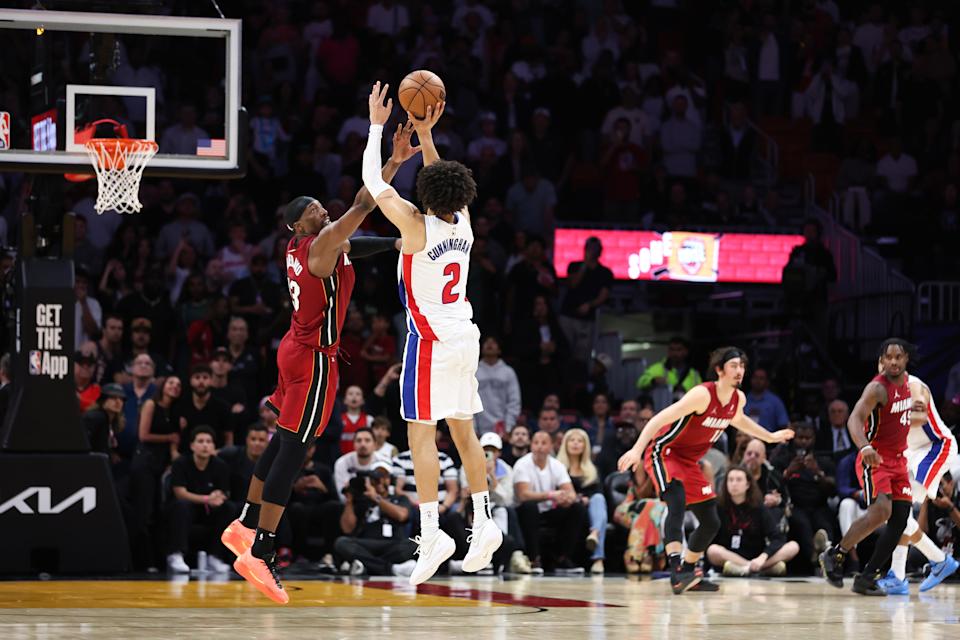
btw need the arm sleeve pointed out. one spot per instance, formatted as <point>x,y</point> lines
<point>371,163</point>
<point>772,532</point>
<point>366,246</point>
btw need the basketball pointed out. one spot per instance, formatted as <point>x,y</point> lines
<point>419,90</point>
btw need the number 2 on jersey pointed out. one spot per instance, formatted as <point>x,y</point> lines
<point>452,271</point>
<point>294,293</point>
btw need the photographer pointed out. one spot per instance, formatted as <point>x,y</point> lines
<point>360,459</point>
<point>810,480</point>
<point>376,542</point>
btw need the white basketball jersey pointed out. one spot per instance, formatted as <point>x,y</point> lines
<point>933,431</point>
<point>433,282</point>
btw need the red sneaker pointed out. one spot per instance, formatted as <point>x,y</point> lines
<point>263,575</point>
<point>237,537</point>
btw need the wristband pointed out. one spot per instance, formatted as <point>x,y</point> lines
<point>363,246</point>
<point>866,446</point>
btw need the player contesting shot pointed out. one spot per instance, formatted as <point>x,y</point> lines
<point>438,380</point>
<point>670,447</point>
<point>878,426</point>
<point>320,280</point>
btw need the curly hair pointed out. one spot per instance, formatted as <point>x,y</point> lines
<point>446,186</point>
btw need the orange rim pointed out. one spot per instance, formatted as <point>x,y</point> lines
<point>112,153</point>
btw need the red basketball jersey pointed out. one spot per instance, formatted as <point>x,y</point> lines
<point>350,427</point>
<point>888,425</point>
<point>319,304</point>
<point>692,435</point>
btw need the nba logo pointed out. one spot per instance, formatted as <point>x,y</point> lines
<point>35,361</point>
<point>4,130</point>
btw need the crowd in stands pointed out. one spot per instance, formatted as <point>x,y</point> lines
<point>611,111</point>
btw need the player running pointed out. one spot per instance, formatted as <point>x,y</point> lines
<point>878,426</point>
<point>438,381</point>
<point>931,452</point>
<point>670,447</point>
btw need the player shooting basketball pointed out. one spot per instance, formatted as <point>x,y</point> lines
<point>442,350</point>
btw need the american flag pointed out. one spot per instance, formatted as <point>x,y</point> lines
<point>211,147</point>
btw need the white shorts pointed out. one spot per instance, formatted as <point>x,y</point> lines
<point>928,464</point>
<point>439,379</point>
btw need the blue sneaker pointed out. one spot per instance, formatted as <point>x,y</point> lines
<point>893,586</point>
<point>939,572</point>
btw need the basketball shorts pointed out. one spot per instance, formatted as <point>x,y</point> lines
<point>928,464</point>
<point>891,477</point>
<point>439,378</point>
<point>669,466</point>
<point>306,389</point>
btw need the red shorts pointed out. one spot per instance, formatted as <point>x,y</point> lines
<point>670,466</point>
<point>306,388</point>
<point>891,477</point>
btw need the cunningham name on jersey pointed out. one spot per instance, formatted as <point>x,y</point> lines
<point>449,244</point>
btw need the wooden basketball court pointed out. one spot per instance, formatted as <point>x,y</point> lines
<point>475,608</point>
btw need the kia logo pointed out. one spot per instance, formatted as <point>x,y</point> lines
<point>86,496</point>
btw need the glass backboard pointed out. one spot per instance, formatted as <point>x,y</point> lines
<point>72,76</point>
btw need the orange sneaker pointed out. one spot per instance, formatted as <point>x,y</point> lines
<point>237,537</point>
<point>263,575</point>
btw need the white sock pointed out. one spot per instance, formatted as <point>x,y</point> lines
<point>929,548</point>
<point>429,519</point>
<point>481,508</point>
<point>898,562</point>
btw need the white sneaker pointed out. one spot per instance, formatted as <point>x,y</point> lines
<point>455,567</point>
<point>519,563</point>
<point>430,555</point>
<point>404,569</point>
<point>357,568</point>
<point>484,540</point>
<point>176,563</point>
<point>216,565</point>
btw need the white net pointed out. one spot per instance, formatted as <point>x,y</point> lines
<point>119,163</point>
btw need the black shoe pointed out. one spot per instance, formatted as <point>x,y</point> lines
<point>831,563</point>
<point>566,566</point>
<point>704,586</point>
<point>681,581</point>
<point>866,585</point>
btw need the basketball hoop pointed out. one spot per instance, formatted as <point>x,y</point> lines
<point>119,163</point>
